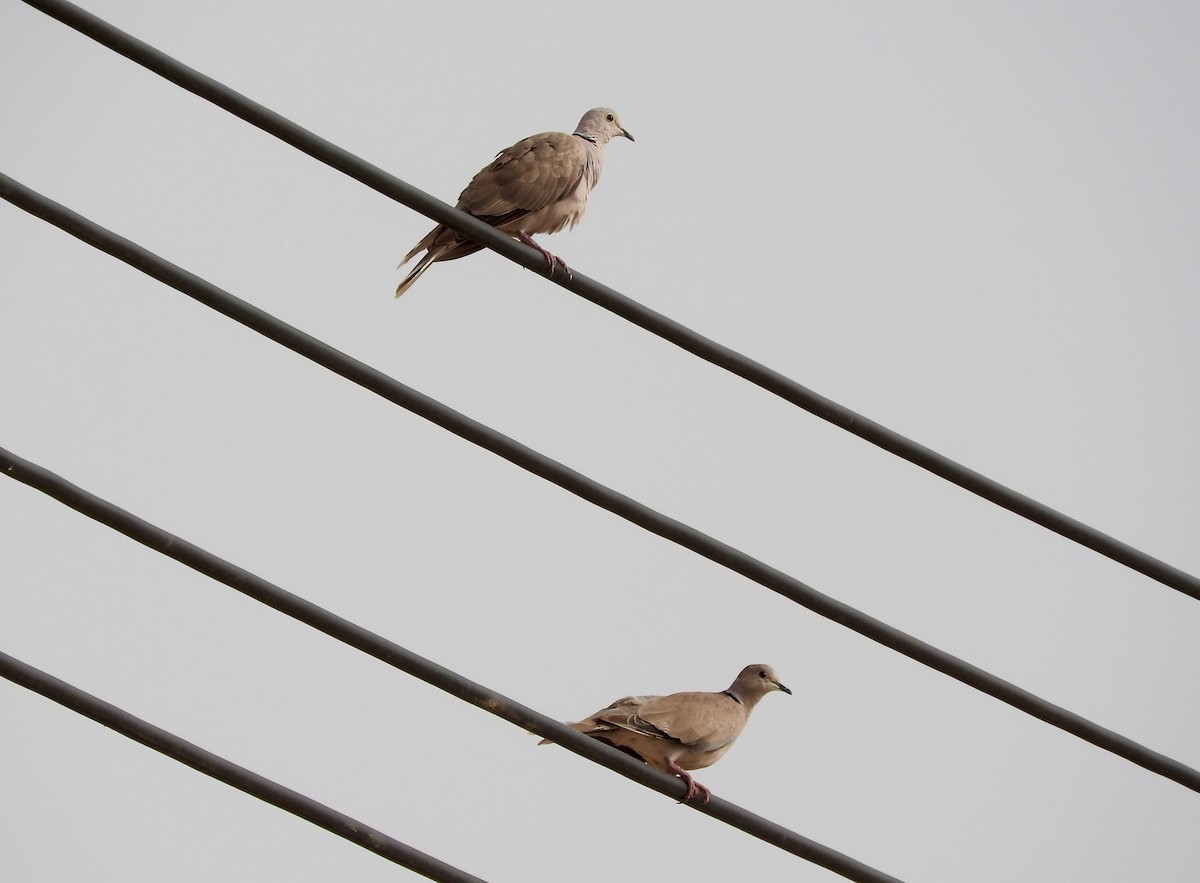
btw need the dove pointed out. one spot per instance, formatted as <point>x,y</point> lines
<point>682,731</point>
<point>539,185</point>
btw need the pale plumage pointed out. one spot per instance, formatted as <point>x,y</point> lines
<point>539,185</point>
<point>682,731</point>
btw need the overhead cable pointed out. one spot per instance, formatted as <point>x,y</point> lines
<point>443,678</point>
<point>230,773</point>
<point>609,299</point>
<point>587,488</point>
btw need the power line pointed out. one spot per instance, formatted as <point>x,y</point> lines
<point>603,296</point>
<point>230,773</point>
<point>587,488</point>
<point>793,392</point>
<point>398,657</point>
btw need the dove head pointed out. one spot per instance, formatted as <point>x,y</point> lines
<point>600,125</point>
<point>755,682</point>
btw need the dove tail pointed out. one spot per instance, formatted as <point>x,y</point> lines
<point>415,274</point>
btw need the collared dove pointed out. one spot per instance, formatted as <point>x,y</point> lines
<point>683,731</point>
<point>539,185</point>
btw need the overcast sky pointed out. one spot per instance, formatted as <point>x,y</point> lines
<point>977,224</point>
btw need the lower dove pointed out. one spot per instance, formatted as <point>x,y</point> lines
<point>539,185</point>
<point>683,731</point>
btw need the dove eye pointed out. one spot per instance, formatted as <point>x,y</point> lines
<point>762,674</point>
<point>609,117</point>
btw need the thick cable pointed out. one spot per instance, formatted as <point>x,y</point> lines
<point>609,299</point>
<point>228,772</point>
<point>443,678</point>
<point>587,488</point>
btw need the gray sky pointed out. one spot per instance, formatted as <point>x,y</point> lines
<point>974,223</point>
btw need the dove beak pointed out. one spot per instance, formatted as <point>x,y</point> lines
<point>782,687</point>
<point>626,134</point>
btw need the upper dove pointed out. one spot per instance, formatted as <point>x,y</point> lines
<point>682,731</point>
<point>539,185</point>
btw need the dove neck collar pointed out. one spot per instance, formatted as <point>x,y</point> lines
<point>733,696</point>
<point>588,138</point>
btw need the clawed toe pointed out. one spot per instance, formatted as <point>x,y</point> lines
<point>553,261</point>
<point>693,787</point>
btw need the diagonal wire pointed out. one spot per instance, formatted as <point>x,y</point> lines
<point>587,488</point>
<point>398,657</point>
<point>230,773</point>
<point>603,296</point>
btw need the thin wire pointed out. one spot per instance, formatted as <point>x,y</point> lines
<point>609,299</point>
<point>230,773</point>
<point>586,488</point>
<point>398,657</point>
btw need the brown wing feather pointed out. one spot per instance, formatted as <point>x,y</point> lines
<point>701,720</point>
<point>526,177</point>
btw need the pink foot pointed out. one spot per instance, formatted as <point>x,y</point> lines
<point>552,260</point>
<point>693,787</point>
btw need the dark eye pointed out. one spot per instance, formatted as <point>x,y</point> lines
<point>610,117</point>
<point>762,674</point>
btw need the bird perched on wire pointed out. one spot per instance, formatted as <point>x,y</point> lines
<point>682,731</point>
<point>539,185</point>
